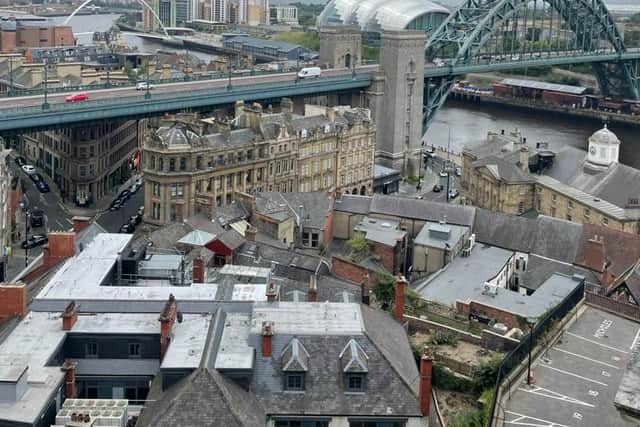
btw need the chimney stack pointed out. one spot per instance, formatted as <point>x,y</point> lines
<point>80,223</point>
<point>13,300</point>
<point>69,368</point>
<point>61,245</point>
<point>70,316</point>
<point>250,233</point>
<point>238,108</point>
<point>524,159</point>
<point>267,336</point>
<point>401,282</point>
<point>167,318</point>
<point>312,296</point>
<point>364,290</point>
<point>198,270</point>
<point>594,256</point>
<point>426,367</point>
<point>272,292</point>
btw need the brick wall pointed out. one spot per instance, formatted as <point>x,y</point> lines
<point>328,228</point>
<point>509,319</point>
<point>386,256</point>
<point>347,270</point>
<point>609,304</point>
<point>61,245</point>
<point>13,300</point>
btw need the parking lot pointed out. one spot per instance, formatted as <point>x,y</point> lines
<point>577,378</point>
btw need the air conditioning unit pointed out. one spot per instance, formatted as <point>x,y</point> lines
<point>489,289</point>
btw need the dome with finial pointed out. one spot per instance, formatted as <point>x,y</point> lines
<point>604,147</point>
<point>176,135</point>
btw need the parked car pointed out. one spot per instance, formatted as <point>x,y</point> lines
<point>143,86</point>
<point>437,188</point>
<point>134,188</point>
<point>136,219</point>
<point>28,169</point>
<point>458,171</point>
<point>36,217</point>
<point>443,174</point>
<point>141,211</point>
<point>309,72</point>
<point>419,197</point>
<point>20,161</point>
<point>35,240</point>
<point>124,196</point>
<point>453,193</point>
<point>77,97</point>
<point>42,186</point>
<point>115,205</point>
<point>127,228</point>
<point>35,178</point>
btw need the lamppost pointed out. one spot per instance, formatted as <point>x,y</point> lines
<point>45,104</point>
<point>229,86</point>
<point>10,76</point>
<point>420,154</point>
<point>23,205</point>
<point>147,94</point>
<point>531,322</point>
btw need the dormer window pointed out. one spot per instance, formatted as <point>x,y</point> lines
<point>355,366</point>
<point>295,364</point>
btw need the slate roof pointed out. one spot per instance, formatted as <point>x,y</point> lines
<point>540,269</point>
<point>353,204</point>
<point>232,239</point>
<point>504,170</point>
<point>235,139</point>
<point>633,283</point>
<point>204,398</point>
<point>315,206</point>
<point>422,209</point>
<point>622,249</point>
<point>295,357</point>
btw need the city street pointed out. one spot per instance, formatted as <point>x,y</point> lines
<point>113,220</point>
<point>430,178</point>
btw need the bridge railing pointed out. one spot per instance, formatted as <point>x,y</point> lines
<point>249,89</point>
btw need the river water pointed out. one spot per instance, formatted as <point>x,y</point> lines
<point>467,122</point>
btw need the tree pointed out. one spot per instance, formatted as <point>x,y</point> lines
<point>385,289</point>
<point>359,247</point>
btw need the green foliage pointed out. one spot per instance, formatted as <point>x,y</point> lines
<point>443,338</point>
<point>371,53</point>
<point>632,37</point>
<point>307,39</point>
<point>635,19</point>
<point>467,418</point>
<point>359,247</point>
<point>307,13</point>
<point>485,374</point>
<point>415,299</point>
<point>486,398</point>
<point>385,288</point>
<point>445,379</point>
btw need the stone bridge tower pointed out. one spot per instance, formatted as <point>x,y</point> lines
<point>340,46</point>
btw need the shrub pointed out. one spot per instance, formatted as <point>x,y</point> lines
<point>485,374</point>
<point>445,338</point>
<point>445,379</point>
<point>468,418</point>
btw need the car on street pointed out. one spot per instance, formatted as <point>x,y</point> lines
<point>28,169</point>
<point>443,174</point>
<point>144,86</point>
<point>419,197</point>
<point>36,217</point>
<point>35,178</point>
<point>42,186</point>
<point>124,196</point>
<point>127,228</point>
<point>437,188</point>
<point>453,193</point>
<point>115,205</point>
<point>458,171</point>
<point>134,188</point>
<point>77,97</point>
<point>136,219</point>
<point>141,211</point>
<point>33,241</point>
<point>20,161</point>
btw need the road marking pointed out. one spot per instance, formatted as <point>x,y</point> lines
<point>69,221</point>
<point>539,391</point>
<point>635,340</point>
<point>571,374</point>
<point>516,421</point>
<point>585,358</point>
<point>62,206</point>
<point>61,226</point>
<point>596,342</point>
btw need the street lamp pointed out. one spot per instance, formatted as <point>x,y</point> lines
<point>10,76</point>
<point>45,104</point>
<point>147,94</point>
<point>420,154</point>
<point>229,86</point>
<point>23,205</point>
<point>531,322</point>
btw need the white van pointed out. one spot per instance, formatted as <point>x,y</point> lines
<point>309,72</point>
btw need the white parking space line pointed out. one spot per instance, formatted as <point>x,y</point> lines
<point>518,421</point>
<point>596,342</point>
<point>586,358</point>
<point>550,394</point>
<point>572,374</point>
<point>69,221</point>
<point>635,340</point>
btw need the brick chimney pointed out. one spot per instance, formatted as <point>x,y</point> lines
<point>13,300</point>
<point>594,254</point>
<point>70,316</point>
<point>272,292</point>
<point>524,159</point>
<point>250,233</point>
<point>426,367</point>
<point>61,245</point>
<point>312,296</point>
<point>69,368</point>
<point>167,318</point>
<point>401,282</point>
<point>80,223</point>
<point>198,270</point>
<point>267,336</point>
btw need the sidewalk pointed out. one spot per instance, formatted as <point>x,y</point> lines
<point>102,204</point>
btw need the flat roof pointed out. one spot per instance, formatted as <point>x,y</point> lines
<point>426,238</point>
<point>234,351</point>
<point>249,292</point>
<point>188,342</point>
<point>464,278</point>
<point>161,262</point>
<point>380,171</point>
<point>552,87</point>
<point>385,231</point>
<point>241,270</point>
<point>304,318</point>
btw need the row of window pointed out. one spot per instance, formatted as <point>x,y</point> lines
<point>326,423</point>
<point>91,350</point>
<point>295,381</point>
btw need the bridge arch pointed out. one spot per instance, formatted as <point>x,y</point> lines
<point>142,2</point>
<point>467,32</point>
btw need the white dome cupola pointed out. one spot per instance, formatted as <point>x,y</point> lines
<point>604,147</point>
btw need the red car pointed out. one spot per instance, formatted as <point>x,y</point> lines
<point>82,96</point>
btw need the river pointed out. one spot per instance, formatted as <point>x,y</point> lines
<point>469,123</point>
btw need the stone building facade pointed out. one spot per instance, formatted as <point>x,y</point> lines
<point>86,163</point>
<point>193,165</point>
<point>340,47</point>
<point>586,187</point>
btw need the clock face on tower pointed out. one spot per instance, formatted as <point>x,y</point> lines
<point>592,150</point>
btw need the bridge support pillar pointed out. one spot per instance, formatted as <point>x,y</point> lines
<point>396,101</point>
<point>340,47</point>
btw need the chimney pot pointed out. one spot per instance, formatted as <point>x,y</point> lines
<point>198,270</point>
<point>267,336</point>
<point>272,292</point>
<point>69,367</point>
<point>70,316</point>
<point>312,296</point>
